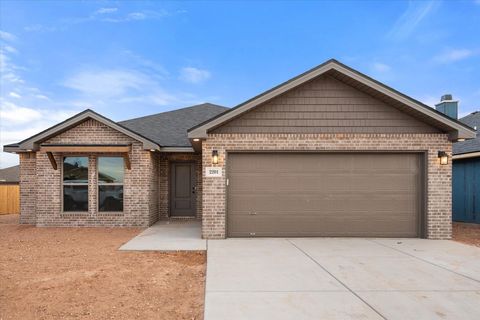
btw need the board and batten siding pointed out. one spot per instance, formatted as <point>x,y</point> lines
<point>466,190</point>
<point>325,105</point>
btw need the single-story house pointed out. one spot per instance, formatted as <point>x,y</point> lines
<point>10,175</point>
<point>466,174</point>
<point>331,152</point>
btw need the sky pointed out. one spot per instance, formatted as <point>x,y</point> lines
<point>126,59</point>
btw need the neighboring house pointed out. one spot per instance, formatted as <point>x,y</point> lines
<point>466,174</point>
<point>330,152</point>
<point>10,175</point>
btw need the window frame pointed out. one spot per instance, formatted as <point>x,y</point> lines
<point>63,156</point>
<point>98,183</point>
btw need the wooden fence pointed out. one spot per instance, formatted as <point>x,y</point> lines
<point>9,198</point>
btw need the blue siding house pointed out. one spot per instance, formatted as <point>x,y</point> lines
<point>466,175</point>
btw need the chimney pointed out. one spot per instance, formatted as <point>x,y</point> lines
<point>448,106</point>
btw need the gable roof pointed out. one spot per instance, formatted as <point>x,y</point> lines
<point>162,131</point>
<point>10,174</point>
<point>354,78</point>
<point>31,144</point>
<point>169,129</point>
<point>473,145</point>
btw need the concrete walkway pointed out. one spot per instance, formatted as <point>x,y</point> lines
<point>171,235</point>
<point>339,278</point>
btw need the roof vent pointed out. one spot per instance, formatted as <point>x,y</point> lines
<point>446,97</point>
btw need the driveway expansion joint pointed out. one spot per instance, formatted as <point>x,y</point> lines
<point>339,281</point>
<point>426,261</point>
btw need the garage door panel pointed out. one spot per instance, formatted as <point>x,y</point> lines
<point>340,203</point>
<point>324,194</point>
<point>341,182</point>
<point>287,225</point>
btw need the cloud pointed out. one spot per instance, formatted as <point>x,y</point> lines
<point>105,10</point>
<point>106,14</point>
<point>107,83</point>
<point>453,55</point>
<point>39,28</point>
<point>406,24</point>
<point>41,97</point>
<point>15,114</point>
<point>24,111</point>
<point>140,62</point>
<point>20,122</point>
<point>381,67</point>
<point>194,75</point>
<point>9,70</point>
<point>7,36</point>
<point>121,87</point>
<point>135,16</point>
<point>9,49</point>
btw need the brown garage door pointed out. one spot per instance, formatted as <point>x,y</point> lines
<point>320,194</point>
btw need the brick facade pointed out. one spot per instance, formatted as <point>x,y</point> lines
<point>438,194</point>
<point>41,185</point>
<point>28,184</point>
<point>146,185</point>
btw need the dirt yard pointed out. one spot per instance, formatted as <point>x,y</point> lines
<point>77,273</point>
<point>468,233</point>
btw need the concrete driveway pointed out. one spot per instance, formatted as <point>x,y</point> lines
<point>339,278</point>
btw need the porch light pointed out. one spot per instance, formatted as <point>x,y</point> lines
<point>442,155</point>
<point>215,157</point>
<point>196,140</point>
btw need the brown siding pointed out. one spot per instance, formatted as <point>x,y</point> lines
<point>325,105</point>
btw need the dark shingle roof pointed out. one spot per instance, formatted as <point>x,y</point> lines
<point>473,145</point>
<point>10,174</point>
<point>169,129</point>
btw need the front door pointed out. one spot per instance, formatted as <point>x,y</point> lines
<point>182,189</point>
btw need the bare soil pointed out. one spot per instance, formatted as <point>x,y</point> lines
<point>468,233</point>
<point>78,273</point>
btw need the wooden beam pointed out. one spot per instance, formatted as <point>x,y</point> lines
<point>110,149</point>
<point>52,160</point>
<point>126,160</point>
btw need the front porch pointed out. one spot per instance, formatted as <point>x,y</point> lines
<point>169,235</point>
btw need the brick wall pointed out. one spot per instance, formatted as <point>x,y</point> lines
<point>164,176</point>
<point>28,196</point>
<point>41,185</point>
<point>439,220</point>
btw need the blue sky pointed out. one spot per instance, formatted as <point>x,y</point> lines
<point>128,59</point>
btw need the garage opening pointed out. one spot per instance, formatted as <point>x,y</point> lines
<point>325,194</point>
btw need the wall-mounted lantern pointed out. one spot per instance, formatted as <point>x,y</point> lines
<point>215,157</point>
<point>442,155</point>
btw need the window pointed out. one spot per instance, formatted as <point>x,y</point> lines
<point>110,183</point>
<point>75,184</point>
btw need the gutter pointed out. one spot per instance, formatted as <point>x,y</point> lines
<point>466,155</point>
